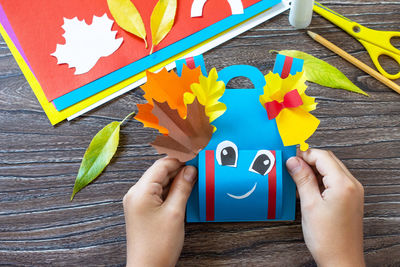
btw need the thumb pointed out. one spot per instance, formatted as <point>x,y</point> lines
<point>181,188</point>
<point>305,180</point>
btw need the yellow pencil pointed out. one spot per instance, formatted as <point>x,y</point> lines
<point>354,61</point>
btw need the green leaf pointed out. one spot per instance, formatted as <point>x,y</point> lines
<point>162,20</point>
<point>322,73</point>
<point>128,17</point>
<point>99,154</point>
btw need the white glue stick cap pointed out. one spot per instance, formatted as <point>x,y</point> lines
<point>301,13</point>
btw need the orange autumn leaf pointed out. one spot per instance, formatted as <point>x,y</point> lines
<point>148,119</point>
<point>158,84</point>
<point>167,87</point>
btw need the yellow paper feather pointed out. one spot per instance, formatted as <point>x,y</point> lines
<point>208,91</point>
<point>128,17</point>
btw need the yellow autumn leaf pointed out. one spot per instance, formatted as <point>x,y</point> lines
<point>295,125</point>
<point>208,91</point>
<point>162,20</point>
<point>276,88</point>
<point>128,17</point>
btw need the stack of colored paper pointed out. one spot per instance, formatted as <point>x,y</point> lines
<point>76,57</point>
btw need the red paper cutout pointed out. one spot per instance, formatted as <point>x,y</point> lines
<point>190,63</point>
<point>287,65</point>
<point>37,25</point>
<point>272,191</point>
<point>210,185</point>
<point>291,99</point>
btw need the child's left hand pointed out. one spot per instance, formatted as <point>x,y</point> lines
<point>155,212</point>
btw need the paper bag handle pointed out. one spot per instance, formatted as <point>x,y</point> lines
<point>250,72</point>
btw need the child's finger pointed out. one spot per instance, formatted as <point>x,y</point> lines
<point>165,191</point>
<point>181,188</point>
<point>325,164</point>
<point>162,171</point>
<point>305,180</point>
<point>348,173</point>
<point>344,168</point>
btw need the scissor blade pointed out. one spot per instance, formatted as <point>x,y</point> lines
<point>329,10</point>
<point>342,22</point>
<point>355,29</point>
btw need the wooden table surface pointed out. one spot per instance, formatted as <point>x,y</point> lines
<point>39,225</point>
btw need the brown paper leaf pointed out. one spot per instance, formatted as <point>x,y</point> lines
<point>186,137</point>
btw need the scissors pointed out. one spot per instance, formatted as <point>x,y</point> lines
<point>377,43</point>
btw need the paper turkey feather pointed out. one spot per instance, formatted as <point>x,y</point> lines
<point>187,136</point>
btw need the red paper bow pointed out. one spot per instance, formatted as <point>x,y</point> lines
<point>292,99</point>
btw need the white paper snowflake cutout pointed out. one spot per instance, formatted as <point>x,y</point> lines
<point>86,44</point>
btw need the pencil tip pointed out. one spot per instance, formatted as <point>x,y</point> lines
<point>311,34</point>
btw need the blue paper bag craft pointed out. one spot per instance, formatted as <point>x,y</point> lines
<point>239,139</point>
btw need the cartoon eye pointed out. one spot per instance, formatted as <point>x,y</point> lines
<point>263,162</point>
<point>227,154</point>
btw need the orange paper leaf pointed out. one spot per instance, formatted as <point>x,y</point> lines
<point>186,136</point>
<point>148,119</point>
<point>166,87</point>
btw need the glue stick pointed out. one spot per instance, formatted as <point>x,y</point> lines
<point>301,13</point>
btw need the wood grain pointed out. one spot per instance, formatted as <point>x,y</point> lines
<point>39,226</point>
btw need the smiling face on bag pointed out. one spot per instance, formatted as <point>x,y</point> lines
<point>243,160</point>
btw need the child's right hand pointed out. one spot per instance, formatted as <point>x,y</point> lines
<point>332,207</point>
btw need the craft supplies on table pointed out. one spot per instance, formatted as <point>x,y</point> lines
<point>377,43</point>
<point>354,61</point>
<point>66,92</point>
<point>301,12</point>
